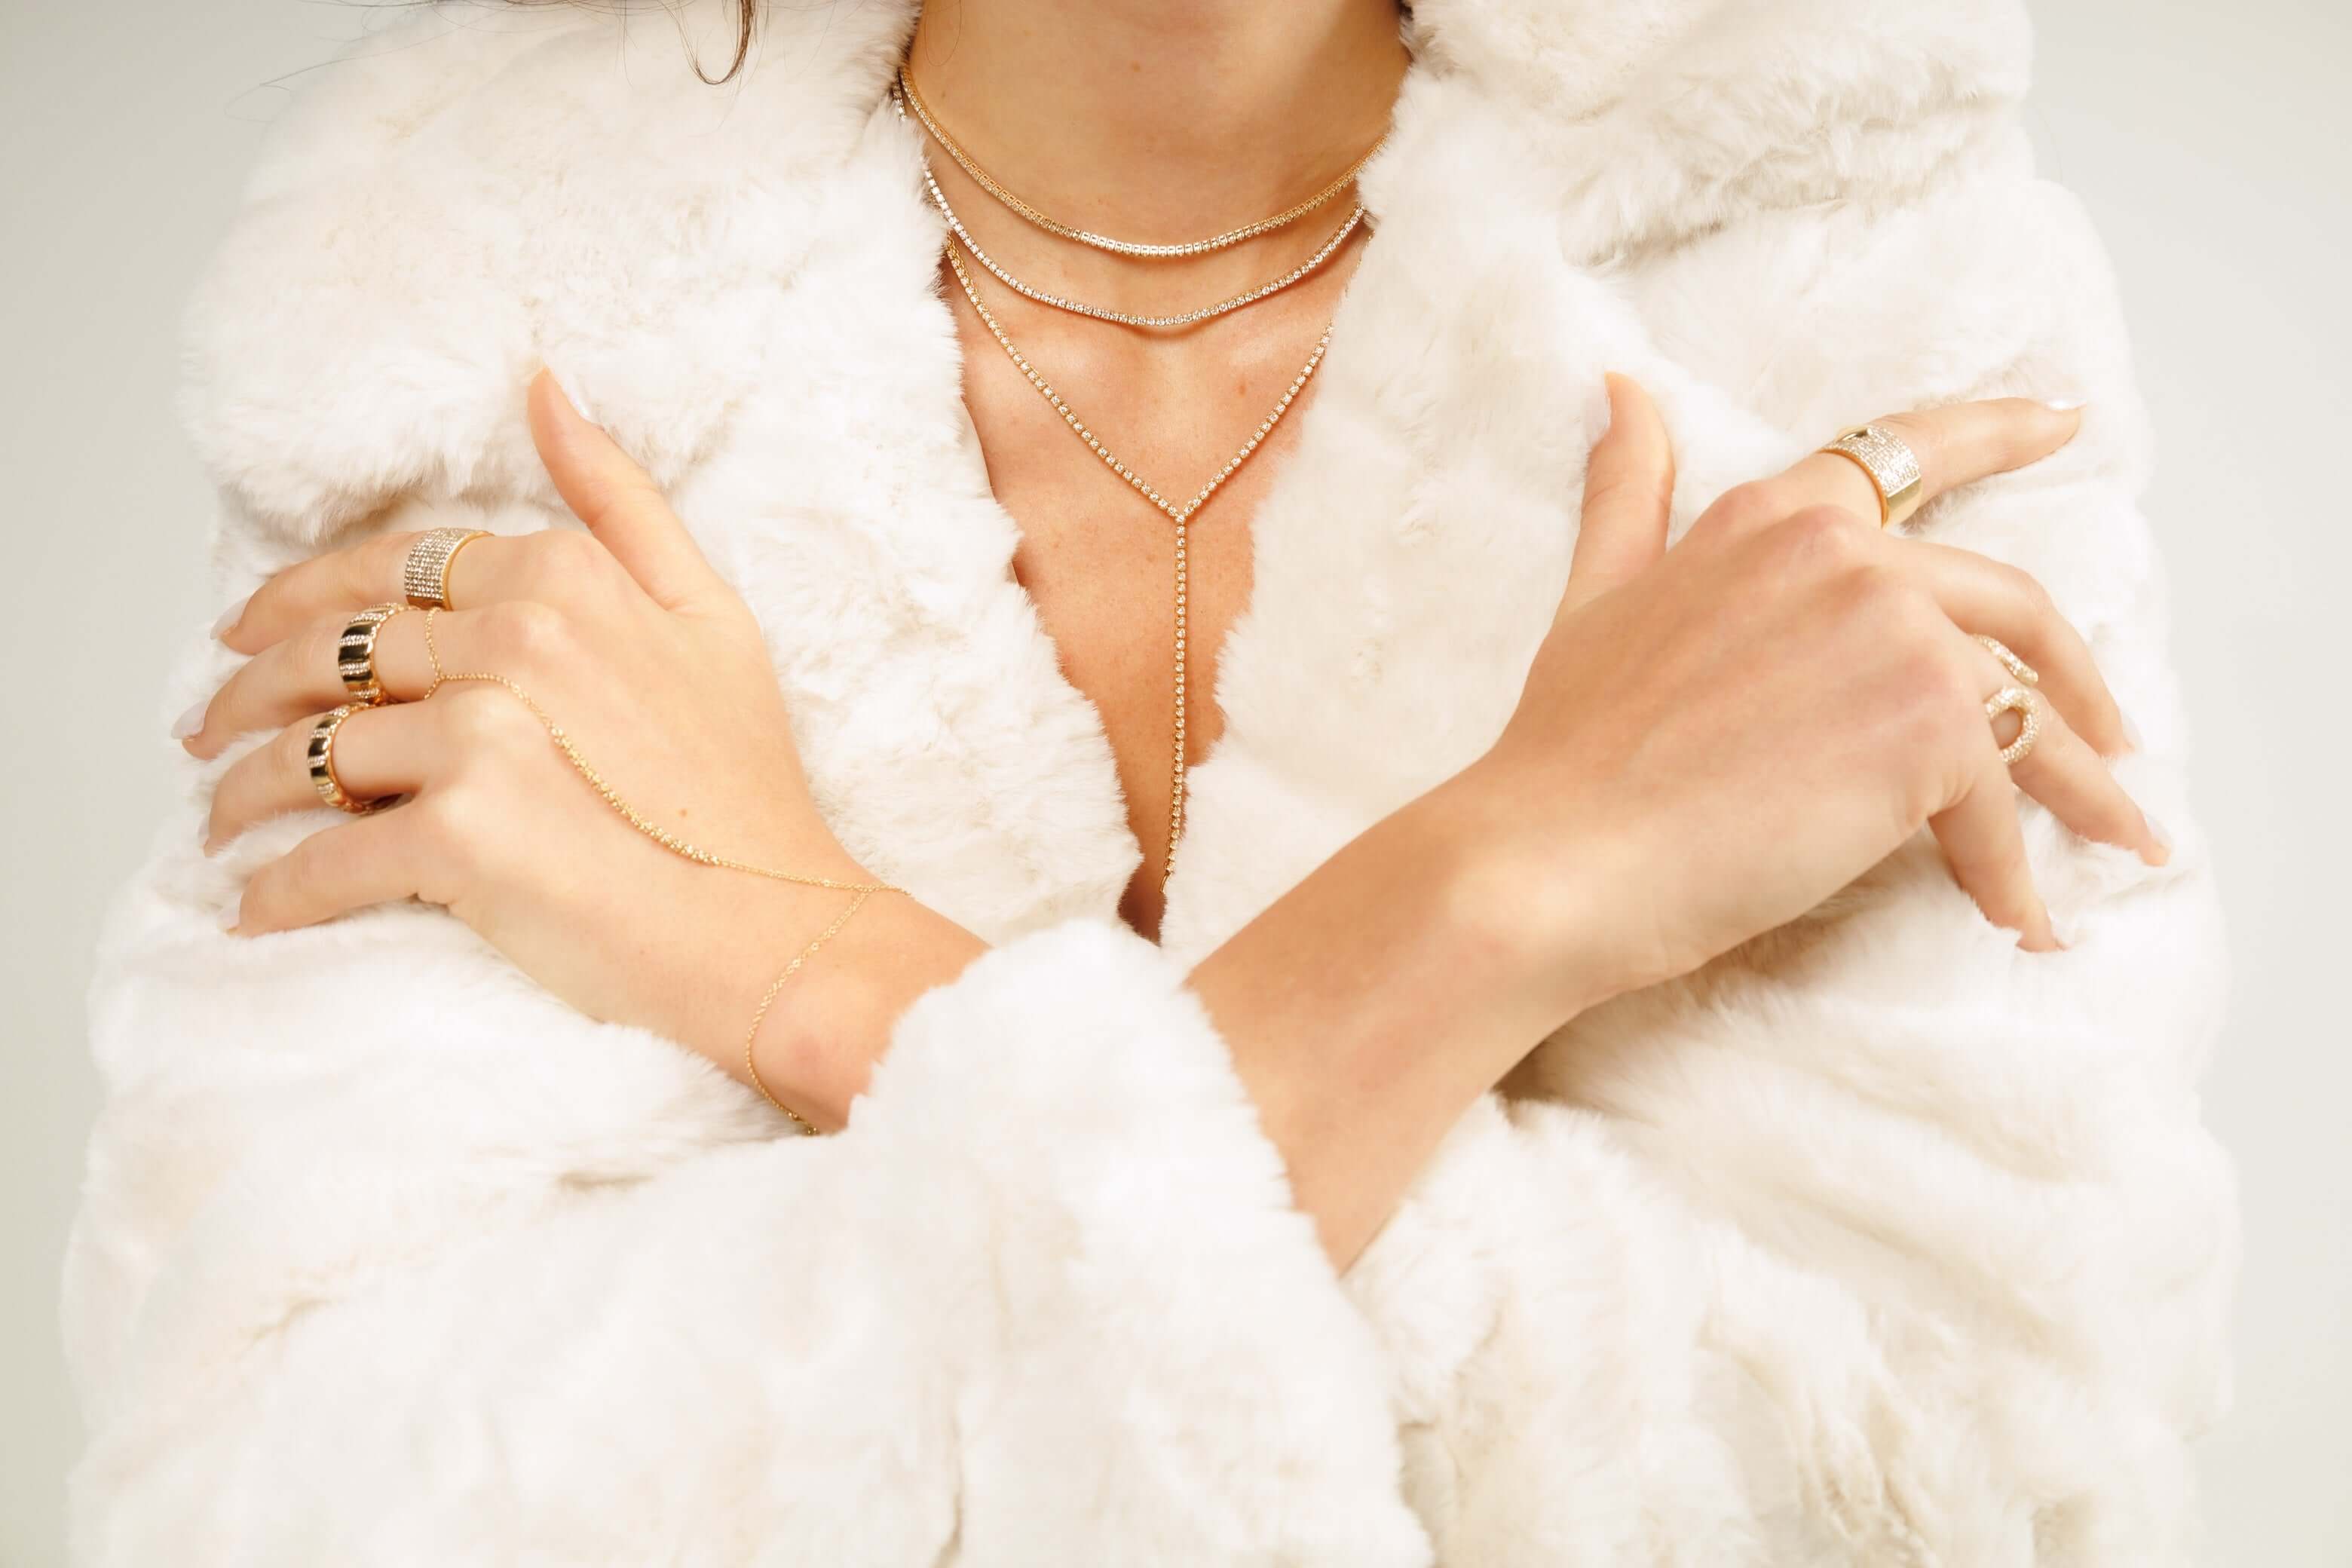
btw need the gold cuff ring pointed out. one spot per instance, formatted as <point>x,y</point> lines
<point>1891,465</point>
<point>425,574</point>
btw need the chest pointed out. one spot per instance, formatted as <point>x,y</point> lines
<point>1099,560</point>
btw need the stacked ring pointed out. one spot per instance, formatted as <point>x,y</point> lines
<point>1891,465</point>
<point>2019,670</point>
<point>322,763</point>
<point>2017,699</point>
<point>355,653</point>
<point>425,574</point>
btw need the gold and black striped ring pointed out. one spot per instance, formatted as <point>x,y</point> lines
<point>355,655</point>
<point>322,754</point>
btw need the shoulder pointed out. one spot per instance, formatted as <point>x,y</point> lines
<point>459,197</point>
<point>1658,121</point>
<point>537,86</point>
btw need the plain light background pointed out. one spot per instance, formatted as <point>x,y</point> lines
<point>2210,140</point>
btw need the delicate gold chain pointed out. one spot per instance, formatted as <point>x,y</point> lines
<point>679,846</point>
<point>767,1000</point>
<point>611,797</point>
<point>981,177</point>
<point>1123,318</point>
<point>1180,513</point>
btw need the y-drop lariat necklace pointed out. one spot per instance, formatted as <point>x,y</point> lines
<point>1180,513</point>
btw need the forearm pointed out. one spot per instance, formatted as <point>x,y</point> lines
<point>1368,1007</point>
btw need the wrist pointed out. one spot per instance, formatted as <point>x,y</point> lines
<point>1517,894</point>
<point>831,1020</point>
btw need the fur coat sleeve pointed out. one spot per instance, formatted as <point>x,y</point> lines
<point>1875,1242</point>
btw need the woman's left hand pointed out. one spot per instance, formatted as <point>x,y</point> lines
<point>654,669</point>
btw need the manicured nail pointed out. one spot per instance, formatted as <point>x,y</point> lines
<point>2131,733</point>
<point>2068,405</point>
<point>571,390</point>
<point>229,617</point>
<point>188,723</point>
<point>1599,414</point>
<point>2163,837</point>
<point>229,914</point>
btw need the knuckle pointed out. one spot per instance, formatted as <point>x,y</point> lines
<point>1825,539</point>
<point>483,721</point>
<point>2029,593</point>
<point>526,632</point>
<point>446,827</point>
<point>1745,507</point>
<point>564,559</point>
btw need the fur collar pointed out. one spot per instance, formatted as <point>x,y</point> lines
<point>740,284</point>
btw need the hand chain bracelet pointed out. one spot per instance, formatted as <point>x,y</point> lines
<point>684,851</point>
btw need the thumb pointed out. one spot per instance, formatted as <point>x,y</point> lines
<point>617,499</point>
<point>1629,492</point>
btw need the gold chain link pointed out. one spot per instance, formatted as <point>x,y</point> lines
<point>679,846</point>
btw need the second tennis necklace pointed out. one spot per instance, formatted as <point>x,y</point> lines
<point>1179,513</point>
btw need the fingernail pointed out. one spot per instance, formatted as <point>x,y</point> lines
<point>188,723</point>
<point>2131,733</point>
<point>2067,405</point>
<point>229,914</point>
<point>229,617</point>
<point>2163,837</point>
<point>571,389</point>
<point>1598,414</point>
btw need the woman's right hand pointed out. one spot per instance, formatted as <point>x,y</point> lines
<point>1715,739</point>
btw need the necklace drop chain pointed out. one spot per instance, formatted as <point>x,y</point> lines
<point>960,245</point>
<point>1179,513</point>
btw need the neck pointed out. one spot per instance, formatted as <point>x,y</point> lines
<point>1160,122</point>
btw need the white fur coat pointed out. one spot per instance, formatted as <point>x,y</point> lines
<point>1878,1242</point>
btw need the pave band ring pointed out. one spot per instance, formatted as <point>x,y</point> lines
<point>322,754</point>
<point>424,574</point>
<point>2017,699</point>
<point>1891,465</point>
<point>355,653</point>
<point>2019,670</point>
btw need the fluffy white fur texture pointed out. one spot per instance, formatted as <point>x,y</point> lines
<point>1878,1242</point>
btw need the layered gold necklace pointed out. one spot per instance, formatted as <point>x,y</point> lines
<point>961,246</point>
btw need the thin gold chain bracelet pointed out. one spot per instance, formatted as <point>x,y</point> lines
<point>683,850</point>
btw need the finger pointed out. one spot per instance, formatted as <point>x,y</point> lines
<point>553,565</point>
<point>1956,445</point>
<point>301,676</point>
<point>1986,596</point>
<point>373,860</point>
<point>297,676</point>
<point>1629,491</point>
<point>2065,775</point>
<point>617,499</point>
<point>1986,849</point>
<point>378,752</point>
<point>341,582</point>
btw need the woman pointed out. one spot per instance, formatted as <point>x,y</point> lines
<point>1151,898</point>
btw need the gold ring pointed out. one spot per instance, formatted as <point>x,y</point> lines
<point>2017,699</point>
<point>322,763</point>
<point>2019,670</point>
<point>355,653</point>
<point>424,574</point>
<point>1891,465</point>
